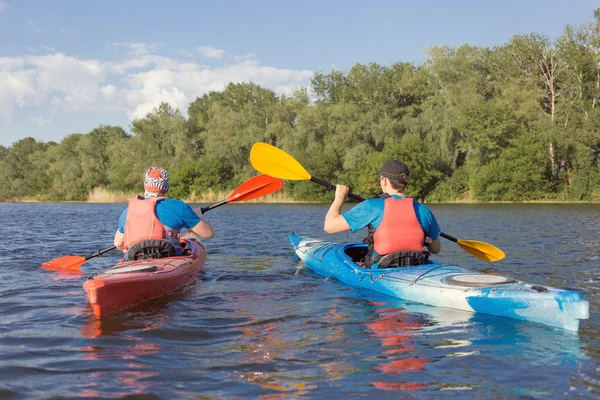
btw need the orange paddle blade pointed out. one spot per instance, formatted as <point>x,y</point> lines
<point>66,262</point>
<point>253,188</point>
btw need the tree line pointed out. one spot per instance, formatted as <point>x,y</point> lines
<point>518,121</point>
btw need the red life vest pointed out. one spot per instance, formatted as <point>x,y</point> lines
<point>400,229</point>
<point>141,222</point>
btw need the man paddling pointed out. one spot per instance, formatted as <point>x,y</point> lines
<point>400,228</point>
<point>156,217</point>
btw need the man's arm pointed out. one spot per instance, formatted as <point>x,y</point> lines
<point>203,228</point>
<point>431,227</point>
<point>118,241</point>
<point>334,221</point>
<point>435,246</point>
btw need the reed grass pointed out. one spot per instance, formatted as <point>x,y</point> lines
<point>213,197</point>
<point>102,195</point>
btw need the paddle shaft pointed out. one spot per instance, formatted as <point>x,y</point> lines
<point>100,252</point>
<point>207,208</point>
<point>446,236</point>
<point>332,187</point>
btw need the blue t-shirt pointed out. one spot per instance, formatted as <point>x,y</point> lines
<point>175,214</point>
<point>371,212</point>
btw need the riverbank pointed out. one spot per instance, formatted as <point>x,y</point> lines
<point>103,196</point>
<point>100,195</point>
<point>274,199</point>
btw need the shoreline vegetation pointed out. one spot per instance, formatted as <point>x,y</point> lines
<point>100,196</point>
<point>515,122</point>
<point>103,196</point>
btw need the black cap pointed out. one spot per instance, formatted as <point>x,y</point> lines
<point>392,168</point>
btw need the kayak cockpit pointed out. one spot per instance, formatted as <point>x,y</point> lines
<point>358,254</point>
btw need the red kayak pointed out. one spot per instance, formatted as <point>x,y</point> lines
<point>130,283</point>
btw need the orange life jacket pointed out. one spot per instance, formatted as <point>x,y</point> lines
<point>141,222</point>
<point>400,229</point>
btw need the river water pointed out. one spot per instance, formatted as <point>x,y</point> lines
<point>257,324</point>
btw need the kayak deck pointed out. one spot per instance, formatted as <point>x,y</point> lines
<point>130,283</point>
<point>447,286</point>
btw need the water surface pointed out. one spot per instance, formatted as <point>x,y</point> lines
<point>257,324</point>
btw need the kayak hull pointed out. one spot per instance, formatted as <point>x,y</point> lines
<point>447,286</point>
<point>130,283</point>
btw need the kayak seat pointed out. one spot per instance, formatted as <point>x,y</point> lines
<point>151,249</point>
<point>359,254</point>
<point>403,259</point>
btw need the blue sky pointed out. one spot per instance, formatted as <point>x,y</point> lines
<point>70,66</point>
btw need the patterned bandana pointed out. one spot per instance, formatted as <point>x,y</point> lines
<point>156,181</point>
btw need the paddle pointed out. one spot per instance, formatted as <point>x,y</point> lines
<point>253,188</point>
<point>275,162</point>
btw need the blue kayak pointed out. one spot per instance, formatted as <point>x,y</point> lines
<point>448,286</point>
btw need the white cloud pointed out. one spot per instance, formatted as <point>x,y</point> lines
<point>134,86</point>
<point>244,57</point>
<point>41,121</point>
<point>135,48</point>
<point>180,86</point>
<point>7,64</point>
<point>211,52</point>
<point>144,62</point>
<point>3,6</point>
<point>18,90</point>
<point>109,92</point>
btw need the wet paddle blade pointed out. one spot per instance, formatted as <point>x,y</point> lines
<point>481,250</point>
<point>256,187</point>
<point>66,262</point>
<point>275,162</point>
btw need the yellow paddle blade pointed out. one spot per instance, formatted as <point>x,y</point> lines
<point>481,250</point>
<point>275,162</point>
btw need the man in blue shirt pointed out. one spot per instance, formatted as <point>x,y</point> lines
<point>172,214</point>
<point>392,215</point>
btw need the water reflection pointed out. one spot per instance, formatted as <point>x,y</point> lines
<point>396,328</point>
<point>336,333</point>
<point>133,376</point>
<point>264,344</point>
<point>416,339</point>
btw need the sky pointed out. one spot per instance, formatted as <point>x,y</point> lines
<point>69,66</point>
